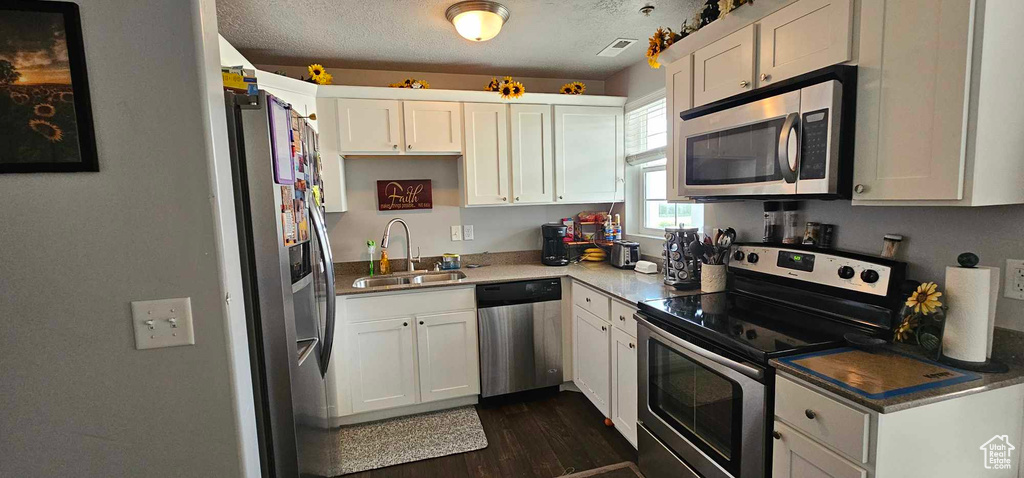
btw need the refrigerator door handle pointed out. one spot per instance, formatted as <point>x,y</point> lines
<point>317,220</point>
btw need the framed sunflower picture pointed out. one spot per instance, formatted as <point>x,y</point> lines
<point>45,116</point>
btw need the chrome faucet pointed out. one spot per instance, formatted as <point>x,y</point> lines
<point>410,259</point>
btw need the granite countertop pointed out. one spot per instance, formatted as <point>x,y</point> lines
<point>623,284</point>
<point>1008,348</point>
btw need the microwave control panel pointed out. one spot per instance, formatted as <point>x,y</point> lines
<point>815,267</point>
<point>814,144</point>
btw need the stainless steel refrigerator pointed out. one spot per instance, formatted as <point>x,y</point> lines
<point>289,281</point>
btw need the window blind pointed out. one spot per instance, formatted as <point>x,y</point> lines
<point>646,134</point>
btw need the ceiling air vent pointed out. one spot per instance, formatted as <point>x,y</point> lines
<point>616,47</point>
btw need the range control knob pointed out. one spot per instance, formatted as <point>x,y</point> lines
<point>752,258</point>
<point>738,255</point>
<point>869,276</point>
<point>846,272</point>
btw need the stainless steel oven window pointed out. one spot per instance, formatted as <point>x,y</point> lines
<point>740,155</point>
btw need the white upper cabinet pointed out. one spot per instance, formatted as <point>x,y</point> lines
<point>589,154</point>
<point>802,37</point>
<point>911,104</point>
<point>370,126</point>
<point>448,358</point>
<point>533,163</point>
<point>678,87</point>
<point>433,127</point>
<point>485,164</point>
<point>724,68</point>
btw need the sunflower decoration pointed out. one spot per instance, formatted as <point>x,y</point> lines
<point>494,85</point>
<point>319,75</point>
<point>925,300</point>
<point>662,39</point>
<point>906,329</point>
<point>574,88</point>
<point>44,110</point>
<point>512,89</point>
<point>47,129</point>
<point>411,83</point>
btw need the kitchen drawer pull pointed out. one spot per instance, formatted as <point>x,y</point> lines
<point>744,83</point>
<point>765,76</point>
<point>810,414</point>
<point>776,435</point>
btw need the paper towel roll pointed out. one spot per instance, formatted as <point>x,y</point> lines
<point>971,295</point>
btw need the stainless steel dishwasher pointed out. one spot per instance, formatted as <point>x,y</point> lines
<point>520,335</point>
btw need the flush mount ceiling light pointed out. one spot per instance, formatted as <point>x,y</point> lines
<point>477,20</point>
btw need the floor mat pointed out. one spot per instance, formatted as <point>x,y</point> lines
<point>399,440</point>
<point>619,470</point>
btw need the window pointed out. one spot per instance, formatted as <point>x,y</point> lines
<point>646,139</point>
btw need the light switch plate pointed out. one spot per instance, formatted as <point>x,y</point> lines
<point>162,323</point>
<point>1014,287</point>
<point>456,233</point>
<point>467,232</point>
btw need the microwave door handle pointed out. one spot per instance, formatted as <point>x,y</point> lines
<point>788,165</point>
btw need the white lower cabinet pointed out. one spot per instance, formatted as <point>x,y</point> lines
<point>624,384</point>
<point>592,362</point>
<point>399,350</point>
<point>383,371</point>
<point>448,358</point>
<point>796,456</point>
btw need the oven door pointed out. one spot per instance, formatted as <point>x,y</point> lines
<point>707,408</point>
<point>748,150</point>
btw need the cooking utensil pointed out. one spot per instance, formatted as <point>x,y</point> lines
<point>697,249</point>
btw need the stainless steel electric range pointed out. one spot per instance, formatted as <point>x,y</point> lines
<point>706,390</point>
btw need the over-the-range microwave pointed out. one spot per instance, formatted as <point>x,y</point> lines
<point>793,139</point>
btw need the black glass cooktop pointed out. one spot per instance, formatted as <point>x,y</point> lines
<point>756,328</point>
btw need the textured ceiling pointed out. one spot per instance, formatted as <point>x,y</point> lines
<point>543,38</point>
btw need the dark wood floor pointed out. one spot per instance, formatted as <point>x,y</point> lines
<point>541,435</point>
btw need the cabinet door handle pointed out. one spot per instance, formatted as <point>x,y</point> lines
<point>517,198</point>
<point>622,318</point>
<point>810,414</point>
<point>408,146</point>
<point>421,322</point>
<point>559,197</point>
<point>859,189</point>
<point>765,76</point>
<point>394,147</point>
<point>504,199</point>
<point>405,324</point>
<point>744,83</point>
<point>776,435</point>
<point>632,345</point>
<point>603,328</point>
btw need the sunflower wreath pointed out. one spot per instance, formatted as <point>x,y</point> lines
<point>412,83</point>
<point>574,88</point>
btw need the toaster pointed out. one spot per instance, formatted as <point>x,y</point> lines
<point>625,254</point>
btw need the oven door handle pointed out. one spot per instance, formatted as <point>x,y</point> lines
<point>789,165</point>
<point>745,369</point>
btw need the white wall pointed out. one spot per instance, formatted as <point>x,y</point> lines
<point>503,228</point>
<point>76,249</point>
<point>445,81</point>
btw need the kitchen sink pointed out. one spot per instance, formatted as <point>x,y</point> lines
<point>365,282</point>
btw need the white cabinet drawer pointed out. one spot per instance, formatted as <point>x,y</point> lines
<point>591,300</point>
<point>822,418</point>
<point>622,318</point>
<point>376,307</point>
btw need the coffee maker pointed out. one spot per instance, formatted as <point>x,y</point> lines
<point>555,251</point>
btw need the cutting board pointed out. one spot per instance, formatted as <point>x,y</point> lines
<point>878,375</point>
